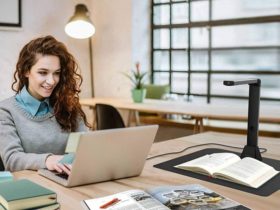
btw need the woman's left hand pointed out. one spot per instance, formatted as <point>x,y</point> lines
<point>52,163</point>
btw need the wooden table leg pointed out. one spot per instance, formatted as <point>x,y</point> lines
<point>195,127</point>
<point>94,123</point>
<point>198,125</point>
<point>133,115</point>
<point>137,118</point>
<point>201,128</point>
<point>129,118</point>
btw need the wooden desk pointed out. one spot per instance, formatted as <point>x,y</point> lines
<point>151,177</point>
<point>268,114</point>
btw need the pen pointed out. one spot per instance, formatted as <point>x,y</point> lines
<point>109,203</point>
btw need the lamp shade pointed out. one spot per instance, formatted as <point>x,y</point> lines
<point>80,26</point>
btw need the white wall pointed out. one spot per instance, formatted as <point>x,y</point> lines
<point>141,33</point>
<point>121,39</point>
<point>111,45</point>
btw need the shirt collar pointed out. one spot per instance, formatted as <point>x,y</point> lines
<point>31,102</point>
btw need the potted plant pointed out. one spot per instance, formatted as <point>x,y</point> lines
<point>138,91</point>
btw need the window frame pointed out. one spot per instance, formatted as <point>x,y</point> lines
<point>209,25</point>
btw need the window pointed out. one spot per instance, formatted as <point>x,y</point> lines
<point>197,44</point>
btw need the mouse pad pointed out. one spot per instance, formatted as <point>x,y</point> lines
<point>265,190</point>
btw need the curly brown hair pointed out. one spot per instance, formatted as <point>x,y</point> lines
<point>64,98</point>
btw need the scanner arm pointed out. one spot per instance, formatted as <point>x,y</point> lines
<point>251,149</point>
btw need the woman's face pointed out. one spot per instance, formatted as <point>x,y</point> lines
<point>43,76</point>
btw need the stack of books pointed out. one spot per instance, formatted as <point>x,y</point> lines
<point>6,176</point>
<point>25,194</point>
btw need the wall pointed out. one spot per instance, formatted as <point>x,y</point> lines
<point>141,33</point>
<point>121,39</point>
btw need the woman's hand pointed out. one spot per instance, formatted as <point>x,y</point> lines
<point>52,163</point>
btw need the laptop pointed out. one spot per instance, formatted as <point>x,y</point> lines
<point>107,155</point>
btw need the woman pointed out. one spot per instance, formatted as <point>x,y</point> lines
<point>36,122</point>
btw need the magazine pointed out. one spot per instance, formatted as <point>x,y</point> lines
<point>184,197</point>
<point>228,166</point>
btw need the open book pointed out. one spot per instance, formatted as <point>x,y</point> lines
<point>228,166</point>
<point>163,198</point>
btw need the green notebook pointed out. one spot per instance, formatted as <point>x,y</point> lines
<point>68,158</point>
<point>73,141</point>
<point>24,194</point>
<point>5,176</point>
<point>54,206</point>
<point>2,207</point>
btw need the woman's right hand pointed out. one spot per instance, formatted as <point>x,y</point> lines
<point>52,164</point>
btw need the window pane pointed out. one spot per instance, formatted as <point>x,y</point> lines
<point>180,13</point>
<point>161,38</point>
<point>199,60</point>
<point>161,60</point>
<point>179,83</point>
<point>246,35</point>
<point>199,38</point>
<point>250,47</point>
<point>179,38</point>
<point>270,86</point>
<point>160,1</point>
<point>200,11</point>
<point>225,9</point>
<point>161,14</point>
<point>199,83</point>
<point>161,78</point>
<point>246,60</point>
<point>179,60</point>
<point>218,88</point>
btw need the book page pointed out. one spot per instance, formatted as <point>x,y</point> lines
<point>128,200</point>
<point>209,164</point>
<point>191,197</point>
<point>248,171</point>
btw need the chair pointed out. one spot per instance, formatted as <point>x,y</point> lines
<point>156,91</point>
<point>2,168</point>
<point>108,117</point>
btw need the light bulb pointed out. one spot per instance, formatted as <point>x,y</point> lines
<point>80,29</point>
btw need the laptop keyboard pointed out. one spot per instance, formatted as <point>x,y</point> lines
<point>61,175</point>
<point>55,176</point>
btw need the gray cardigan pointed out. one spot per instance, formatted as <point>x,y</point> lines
<point>26,140</point>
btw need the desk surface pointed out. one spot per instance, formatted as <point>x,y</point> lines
<point>70,198</point>
<point>270,114</point>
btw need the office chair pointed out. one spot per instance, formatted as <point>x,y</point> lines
<point>156,91</point>
<point>2,168</point>
<point>108,117</point>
